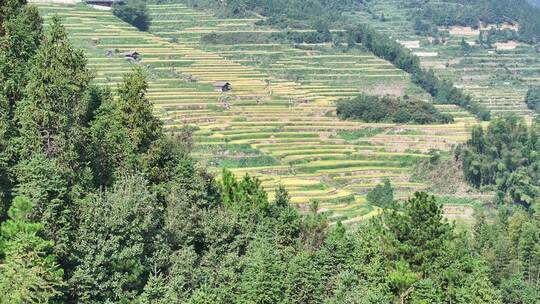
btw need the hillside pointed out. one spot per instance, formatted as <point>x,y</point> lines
<point>279,151</point>
<point>278,122</point>
<point>498,76</point>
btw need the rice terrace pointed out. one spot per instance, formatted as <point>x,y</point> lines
<point>278,123</point>
<point>406,120</point>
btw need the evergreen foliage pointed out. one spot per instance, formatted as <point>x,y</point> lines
<point>29,272</point>
<point>20,36</point>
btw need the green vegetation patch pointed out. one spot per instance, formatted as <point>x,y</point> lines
<point>362,133</point>
<point>389,109</point>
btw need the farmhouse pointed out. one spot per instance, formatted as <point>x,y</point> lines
<point>132,55</point>
<point>107,3</point>
<point>222,86</point>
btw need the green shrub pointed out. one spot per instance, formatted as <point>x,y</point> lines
<point>382,195</point>
<point>356,134</point>
<point>532,99</point>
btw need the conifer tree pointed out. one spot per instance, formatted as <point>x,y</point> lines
<point>50,114</point>
<point>116,242</point>
<point>20,37</point>
<point>29,272</point>
<point>135,111</point>
<point>49,170</point>
<point>262,281</point>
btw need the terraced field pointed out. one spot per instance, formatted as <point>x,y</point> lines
<point>497,77</point>
<point>278,122</point>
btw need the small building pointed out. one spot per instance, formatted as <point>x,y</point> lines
<point>132,55</point>
<point>107,3</point>
<point>222,86</point>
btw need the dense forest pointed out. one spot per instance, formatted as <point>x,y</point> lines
<point>505,156</point>
<point>100,205</point>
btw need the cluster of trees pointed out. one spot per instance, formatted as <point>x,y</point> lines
<point>283,13</point>
<point>505,241</point>
<point>488,37</point>
<point>133,12</point>
<point>382,195</point>
<point>443,91</point>
<point>532,98</point>
<point>319,35</point>
<point>470,13</point>
<point>425,28</point>
<point>371,108</point>
<point>505,157</point>
<point>508,242</point>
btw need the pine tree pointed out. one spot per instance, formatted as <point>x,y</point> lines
<point>304,281</point>
<point>282,197</point>
<point>402,278</point>
<point>154,291</point>
<point>287,219</point>
<point>28,270</point>
<point>116,241</point>
<point>244,195</point>
<point>110,151</point>
<point>51,112</point>
<point>418,234</point>
<point>135,111</point>
<point>20,37</point>
<point>50,133</point>
<point>262,280</point>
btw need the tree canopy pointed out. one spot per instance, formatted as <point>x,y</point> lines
<point>504,156</point>
<point>133,12</point>
<point>390,109</point>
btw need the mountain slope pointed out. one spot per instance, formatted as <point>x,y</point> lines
<point>277,123</point>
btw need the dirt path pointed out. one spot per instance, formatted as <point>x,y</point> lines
<point>55,1</point>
